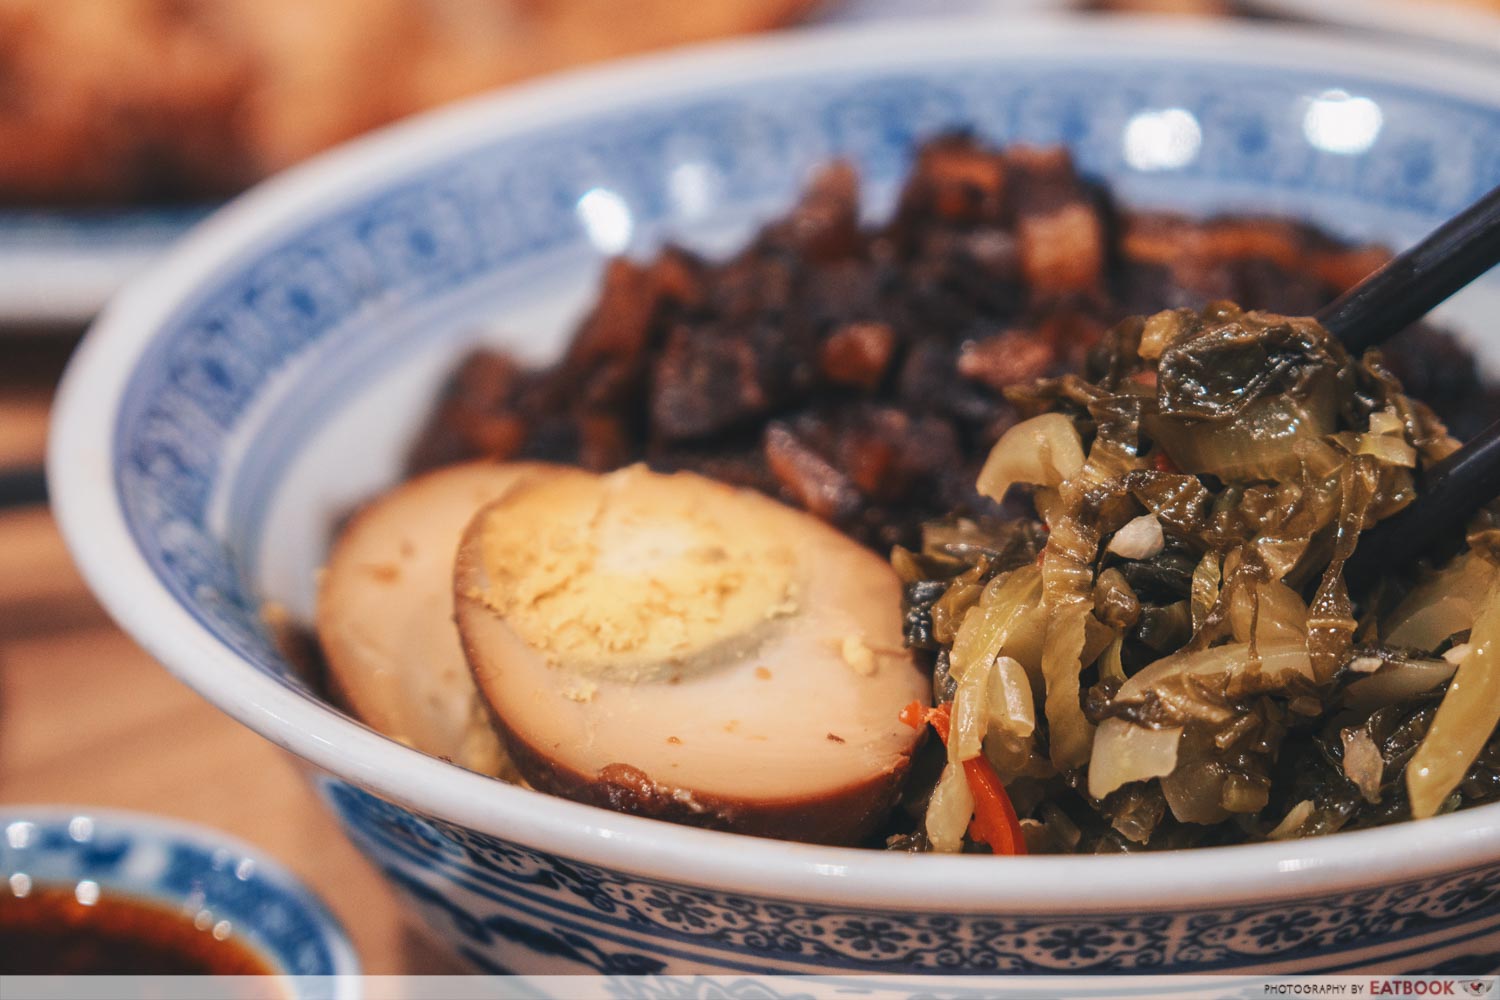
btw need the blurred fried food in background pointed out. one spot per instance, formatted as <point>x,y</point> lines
<point>1183,8</point>
<point>131,101</point>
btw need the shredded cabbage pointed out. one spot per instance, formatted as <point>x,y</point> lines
<point>1043,451</point>
<point>949,810</point>
<point>1443,606</point>
<point>1181,642</point>
<point>1125,752</point>
<point>1465,720</point>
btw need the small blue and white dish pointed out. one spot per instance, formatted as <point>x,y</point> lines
<point>226,410</point>
<point>221,886</point>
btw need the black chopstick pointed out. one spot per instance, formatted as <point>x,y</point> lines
<point>1410,285</point>
<point>1384,304</point>
<point>22,488</point>
<point>1451,491</point>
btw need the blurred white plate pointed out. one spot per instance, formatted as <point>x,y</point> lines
<point>58,268</point>
<point>1455,22</point>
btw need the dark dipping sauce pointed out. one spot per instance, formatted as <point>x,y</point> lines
<point>48,932</point>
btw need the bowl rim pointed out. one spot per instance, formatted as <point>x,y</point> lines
<point>81,475</point>
<point>137,823</point>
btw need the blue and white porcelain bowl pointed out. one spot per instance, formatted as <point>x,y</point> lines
<point>223,886</point>
<point>226,409</point>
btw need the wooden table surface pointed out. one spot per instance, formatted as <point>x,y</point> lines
<point>87,718</point>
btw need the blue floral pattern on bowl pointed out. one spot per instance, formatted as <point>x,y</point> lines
<point>509,906</point>
<point>206,876</point>
<point>267,351</point>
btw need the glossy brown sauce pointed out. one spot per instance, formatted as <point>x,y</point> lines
<point>49,932</point>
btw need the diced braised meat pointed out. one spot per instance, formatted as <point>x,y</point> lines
<point>1062,251</point>
<point>705,382</point>
<point>736,462</point>
<point>858,354</point>
<point>930,383</point>
<point>1007,358</point>
<point>956,180</point>
<point>1059,223</point>
<point>807,479</point>
<point>1258,282</point>
<point>894,457</point>
<point>608,353</point>
<point>824,225</point>
<point>1072,330</point>
<point>862,372</point>
<point>476,415</point>
<point>604,441</point>
<point>1342,268</point>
